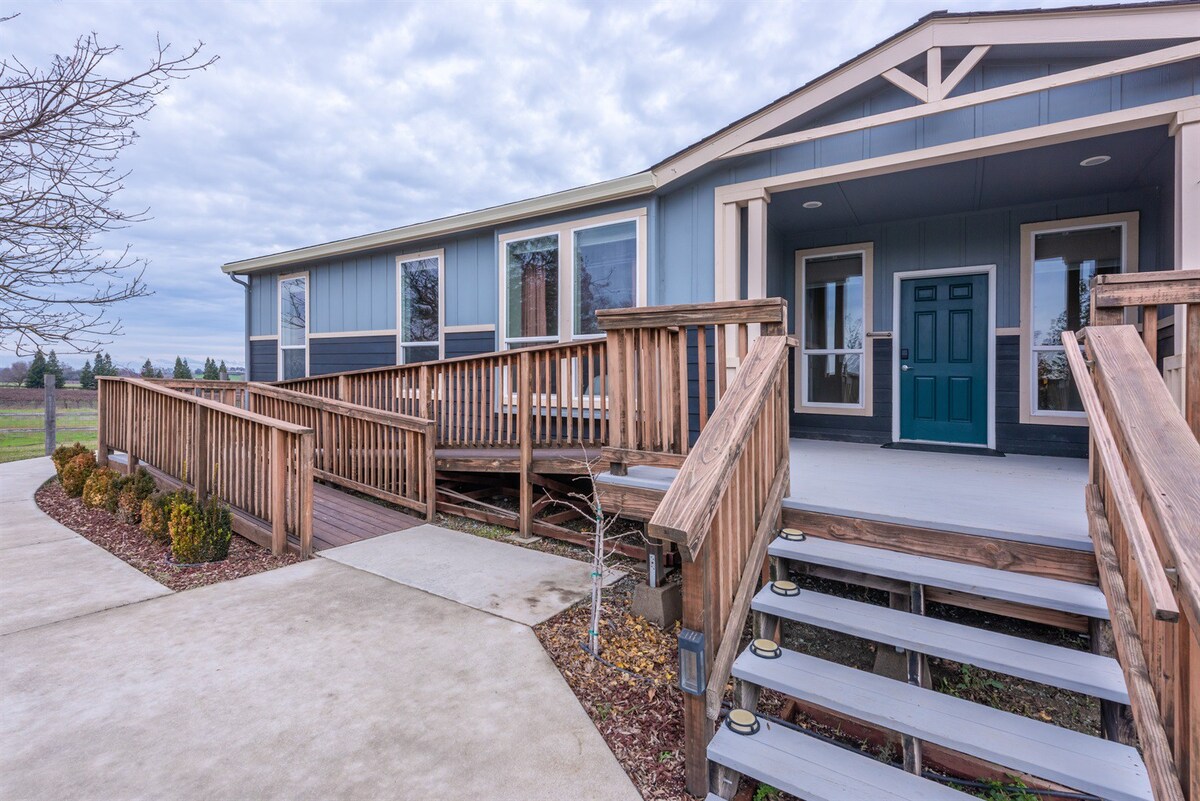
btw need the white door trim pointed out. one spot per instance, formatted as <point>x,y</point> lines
<point>981,269</point>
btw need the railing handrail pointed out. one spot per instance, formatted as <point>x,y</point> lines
<point>764,310</point>
<point>1147,558</point>
<point>1159,287</point>
<point>224,408</point>
<point>686,510</point>
<point>198,383</point>
<point>397,419</point>
<point>1160,452</point>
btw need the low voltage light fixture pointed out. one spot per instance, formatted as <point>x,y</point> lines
<point>692,673</point>
<point>767,649</point>
<point>793,535</point>
<point>1094,161</point>
<point>787,589</point>
<point>813,204</point>
<point>742,721</point>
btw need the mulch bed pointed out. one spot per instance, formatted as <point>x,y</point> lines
<point>130,544</point>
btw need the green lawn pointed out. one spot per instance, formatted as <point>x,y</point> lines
<point>17,441</point>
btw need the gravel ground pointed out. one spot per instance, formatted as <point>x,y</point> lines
<point>131,544</point>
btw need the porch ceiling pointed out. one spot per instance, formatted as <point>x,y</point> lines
<point>1139,158</point>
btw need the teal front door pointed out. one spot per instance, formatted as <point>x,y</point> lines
<point>943,353</point>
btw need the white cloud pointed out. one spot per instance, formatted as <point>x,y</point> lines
<point>322,121</point>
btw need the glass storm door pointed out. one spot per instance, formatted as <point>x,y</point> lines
<point>943,353</point>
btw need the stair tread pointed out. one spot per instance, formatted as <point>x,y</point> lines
<point>819,771</point>
<point>1082,672</point>
<point>1003,585</point>
<point>1080,761</point>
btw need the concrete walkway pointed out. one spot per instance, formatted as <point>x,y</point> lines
<point>314,681</point>
<point>48,572</point>
<point>515,583</point>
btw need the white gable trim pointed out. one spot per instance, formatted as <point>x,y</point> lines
<point>1089,25</point>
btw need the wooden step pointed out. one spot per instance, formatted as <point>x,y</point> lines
<point>819,771</point>
<point>1082,672</point>
<point>1002,585</point>
<point>1089,764</point>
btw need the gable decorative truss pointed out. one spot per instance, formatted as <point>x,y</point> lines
<point>935,88</point>
<point>979,33</point>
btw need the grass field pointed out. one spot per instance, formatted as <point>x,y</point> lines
<point>22,421</point>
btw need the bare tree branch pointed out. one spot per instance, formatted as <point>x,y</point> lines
<point>61,131</point>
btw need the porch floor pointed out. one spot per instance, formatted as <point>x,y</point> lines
<point>1034,499</point>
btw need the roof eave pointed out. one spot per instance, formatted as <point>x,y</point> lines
<point>606,191</point>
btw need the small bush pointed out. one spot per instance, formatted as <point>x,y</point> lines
<point>134,491</point>
<point>200,532</point>
<point>75,473</point>
<point>65,453</point>
<point>101,488</point>
<point>155,513</point>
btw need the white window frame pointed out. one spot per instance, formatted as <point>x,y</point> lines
<point>280,347</point>
<point>401,260</point>
<point>566,273</point>
<point>865,408</point>
<point>1128,222</point>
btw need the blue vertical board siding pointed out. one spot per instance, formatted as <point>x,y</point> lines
<point>353,294</point>
<point>263,300</point>
<point>472,280</point>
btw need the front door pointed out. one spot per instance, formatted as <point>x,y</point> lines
<point>943,354</point>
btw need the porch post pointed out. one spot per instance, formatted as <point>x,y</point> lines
<point>1186,131</point>
<point>756,253</point>
<point>728,255</point>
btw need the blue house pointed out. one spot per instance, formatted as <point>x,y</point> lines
<point>932,211</point>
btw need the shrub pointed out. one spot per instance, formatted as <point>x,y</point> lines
<point>75,473</point>
<point>155,513</point>
<point>200,532</point>
<point>134,491</point>
<point>65,453</point>
<point>101,488</point>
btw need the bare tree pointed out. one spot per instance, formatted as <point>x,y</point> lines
<point>61,130</point>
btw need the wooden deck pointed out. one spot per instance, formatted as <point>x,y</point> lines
<point>340,518</point>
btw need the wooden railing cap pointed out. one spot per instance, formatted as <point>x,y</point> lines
<point>1154,288</point>
<point>762,310</point>
<point>405,421</point>
<point>217,406</point>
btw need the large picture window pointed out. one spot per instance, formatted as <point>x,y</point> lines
<point>420,308</point>
<point>834,288</point>
<point>293,326</point>
<point>1062,260</point>
<point>555,279</point>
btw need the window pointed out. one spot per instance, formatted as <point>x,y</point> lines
<point>555,279</point>
<point>420,308</point>
<point>1062,258</point>
<point>834,369</point>
<point>293,326</point>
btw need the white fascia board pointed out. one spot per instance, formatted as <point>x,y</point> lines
<point>616,189</point>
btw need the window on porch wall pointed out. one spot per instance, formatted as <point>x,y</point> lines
<point>531,267</point>
<point>419,310</point>
<point>1064,263</point>
<point>834,330</point>
<point>293,327</point>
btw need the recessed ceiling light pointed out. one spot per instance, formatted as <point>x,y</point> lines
<point>1093,161</point>
<point>812,204</point>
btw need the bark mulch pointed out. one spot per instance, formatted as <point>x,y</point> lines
<point>131,544</point>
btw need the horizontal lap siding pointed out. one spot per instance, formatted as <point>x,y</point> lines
<point>1012,436</point>
<point>336,354</point>
<point>470,343</point>
<point>264,364</point>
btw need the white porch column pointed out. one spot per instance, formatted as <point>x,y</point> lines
<point>1186,130</point>
<point>727,276</point>
<point>756,253</point>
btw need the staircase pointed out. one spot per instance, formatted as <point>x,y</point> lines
<point>766,750</point>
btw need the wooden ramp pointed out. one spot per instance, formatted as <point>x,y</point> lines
<point>340,518</point>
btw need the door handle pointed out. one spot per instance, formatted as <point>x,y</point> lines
<point>904,367</point>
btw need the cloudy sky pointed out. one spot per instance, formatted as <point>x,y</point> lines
<point>326,120</point>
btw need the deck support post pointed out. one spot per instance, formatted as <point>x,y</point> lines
<point>278,490</point>
<point>525,432</point>
<point>916,670</point>
<point>1116,720</point>
<point>697,728</point>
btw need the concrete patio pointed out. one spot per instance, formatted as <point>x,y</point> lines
<point>313,681</point>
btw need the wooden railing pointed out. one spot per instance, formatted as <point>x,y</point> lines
<point>1112,294</point>
<point>383,454</point>
<point>232,393</point>
<point>262,467</point>
<point>478,401</point>
<point>722,511</point>
<point>669,367</point>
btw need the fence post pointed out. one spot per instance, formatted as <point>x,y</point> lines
<point>48,381</point>
<point>278,491</point>
<point>101,439</point>
<point>200,451</point>
<point>341,388</point>
<point>131,461</point>
<point>304,492</point>
<point>431,471</point>
<point>525,432</point>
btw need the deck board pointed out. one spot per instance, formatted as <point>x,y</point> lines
<point>340,518</point>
